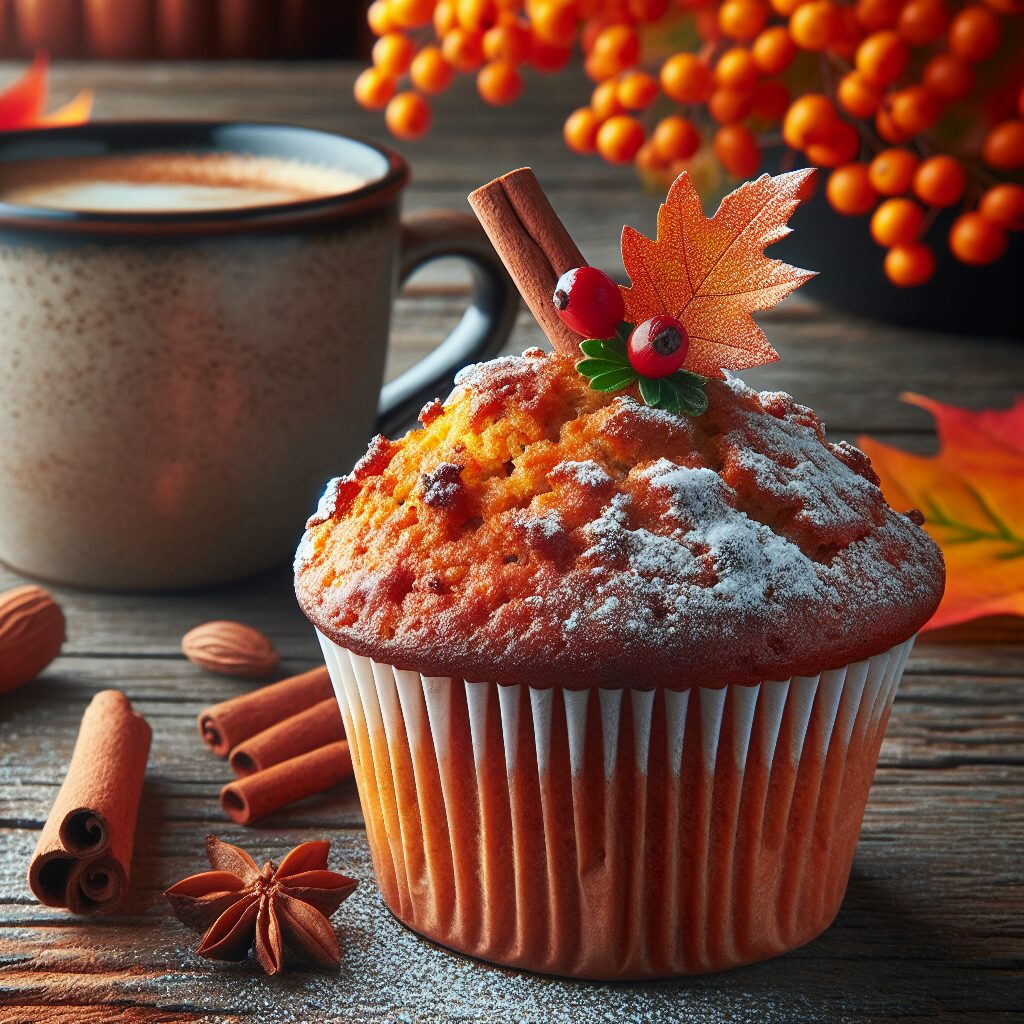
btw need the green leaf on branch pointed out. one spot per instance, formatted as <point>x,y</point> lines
<point>614,380</point>
<point>650,391</point>
<point>593,367</point>
<point>607,367</point>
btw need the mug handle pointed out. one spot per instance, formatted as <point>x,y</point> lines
<point>484,327</point>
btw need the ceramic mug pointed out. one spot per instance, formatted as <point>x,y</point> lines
<point>176,388</point>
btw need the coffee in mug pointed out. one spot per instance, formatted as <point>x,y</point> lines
<point>169,182</point>
<point>193,329</point>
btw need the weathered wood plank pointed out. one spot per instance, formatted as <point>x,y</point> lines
<point>905,945</point>
<point>100,1013</point>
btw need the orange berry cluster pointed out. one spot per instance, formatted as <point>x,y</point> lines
<point>430,41</point>
<point>888,71</point>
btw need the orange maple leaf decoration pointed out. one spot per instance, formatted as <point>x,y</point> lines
<point>972,497</point>
<point>22,104</point>
<point>712,273</point>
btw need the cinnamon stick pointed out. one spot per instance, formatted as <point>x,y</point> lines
<point>262,793</point>
<point>96,883</point>
<point>309,729</point>
<point>84,853</point>
<point>533,244</point>
<point>227,724</point>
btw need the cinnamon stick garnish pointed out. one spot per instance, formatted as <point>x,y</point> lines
<point>84,853</point>
<point>315,727</point>
<point>533,244</point>
<point>227,724</point>
<point>262,793</point>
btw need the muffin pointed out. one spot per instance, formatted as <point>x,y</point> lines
<point>614,679</point>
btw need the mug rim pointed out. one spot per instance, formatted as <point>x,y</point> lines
<point>172,135</point>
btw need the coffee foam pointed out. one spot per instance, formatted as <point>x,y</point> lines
<point>168,182</point>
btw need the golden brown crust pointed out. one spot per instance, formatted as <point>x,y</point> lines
<point>539,532</point>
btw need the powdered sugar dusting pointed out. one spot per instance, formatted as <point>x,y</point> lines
<point>665,585</point>
<point>587,473</point>
<point>547,526</point>
<point>648,414</point>
<point>468,375</point>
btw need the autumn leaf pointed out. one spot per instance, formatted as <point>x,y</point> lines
<point>972,496</point>
<point>75,111</point>
<point>712,273</point>
<point>22,104</point>
<point>24,101</point>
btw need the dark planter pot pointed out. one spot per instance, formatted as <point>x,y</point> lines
<point>960,299</point>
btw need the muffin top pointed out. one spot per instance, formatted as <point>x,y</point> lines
<point>537,531</point>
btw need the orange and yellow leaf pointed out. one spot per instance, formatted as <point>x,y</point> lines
<point>972,496</point>
<point>75,111</point>
<point>712,273</point>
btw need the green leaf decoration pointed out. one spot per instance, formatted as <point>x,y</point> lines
<point>607,368</point>
<point>595,347</point>
<point>686,377</point>
<point>693,399</point>
<point>614,380</point>
<point>650,390</point>
<point>618,346</point>
<point>605,348</point>
<point>593,367</point>
<point>669,400</point>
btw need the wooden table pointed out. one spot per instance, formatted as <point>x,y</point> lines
<point>933,922</point>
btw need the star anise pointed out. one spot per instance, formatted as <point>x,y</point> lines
<point>276,909</point>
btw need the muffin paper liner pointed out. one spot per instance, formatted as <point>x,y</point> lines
<point>614,833</point>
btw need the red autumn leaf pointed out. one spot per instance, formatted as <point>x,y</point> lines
<point>22,104</point>
<point>712,273</point>
<point>972,496</point>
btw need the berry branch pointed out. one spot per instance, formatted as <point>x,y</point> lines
<point>894,76</point>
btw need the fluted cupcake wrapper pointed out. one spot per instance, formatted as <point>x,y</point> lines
<point>614,833</point>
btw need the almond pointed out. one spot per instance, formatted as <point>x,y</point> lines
<point>31,634</point>
<point>230,649</point>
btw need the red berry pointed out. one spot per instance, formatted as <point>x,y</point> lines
<point>657,347</point>
<point>589,302</point>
